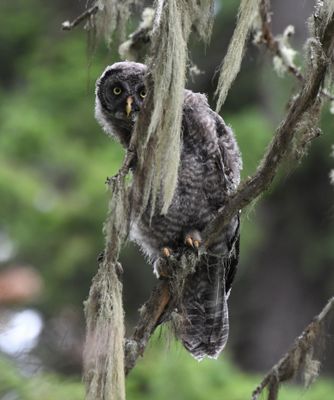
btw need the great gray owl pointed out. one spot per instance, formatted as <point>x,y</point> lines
<point>209,170</point>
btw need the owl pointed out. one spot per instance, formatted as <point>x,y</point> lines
<point>209,171</point>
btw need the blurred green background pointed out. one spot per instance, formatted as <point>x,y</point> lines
<point>53,163</point>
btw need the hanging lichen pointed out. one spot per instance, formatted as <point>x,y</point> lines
<point>158,145</point>
<point>285,60</point>
<point>247,14</point>
<point>112,16</point>
<point>104,354</point>
<point>104,348</point>
<point>135,48</point>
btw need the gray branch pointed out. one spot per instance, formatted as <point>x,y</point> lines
<point>272,44</point>
<point>67,25</point>
<point>252,187</point>
<point>296,358</point>
<point>151,313</point>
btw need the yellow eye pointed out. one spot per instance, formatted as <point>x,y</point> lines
<point>117,90</point>
<point>142,93</point>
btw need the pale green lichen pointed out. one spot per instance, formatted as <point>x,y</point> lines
<point>158,147</point>
<point>134,48</point>
<point>104,354</point>
<point>285,60</point>
<point>311,369</point>
<point>247,16</point>
<point>112,16</point>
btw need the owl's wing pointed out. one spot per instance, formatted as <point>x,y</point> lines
<point>231,165</point>
<point>229,152</point>
<point>233,259</point>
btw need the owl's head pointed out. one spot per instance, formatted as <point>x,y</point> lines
<point>120,92</point>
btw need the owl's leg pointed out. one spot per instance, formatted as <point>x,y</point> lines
<point>160,269</point>
<point>193,239</point>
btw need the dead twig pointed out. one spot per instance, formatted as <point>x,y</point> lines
<point>294,360</point>
<point>125,168</point>
<point>273,45</point>
<point>150,315</point>
<point>67,25</point>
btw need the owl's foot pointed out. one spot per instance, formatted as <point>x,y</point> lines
<point>166,251</point>
<point>193,239</point>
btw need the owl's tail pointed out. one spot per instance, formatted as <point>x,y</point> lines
<point>203,306</point>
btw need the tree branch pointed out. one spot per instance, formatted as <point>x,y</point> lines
<point>272,44</point>
<point>150,315</point>
<point>251,188</point>
<point>67,25</point>
<point>295,359</point>
<point>125,168</point>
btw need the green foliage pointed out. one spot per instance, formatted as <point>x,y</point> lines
<point>16,385</point>
<point>169,372</point>
<point>54,152</point>
<point>254,132</point>
<point>164,373</point>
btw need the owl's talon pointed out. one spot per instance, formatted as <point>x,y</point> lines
<point>197,243</point>
<point>166,252</point>
<point>193,239</point>
<point>189,242</point>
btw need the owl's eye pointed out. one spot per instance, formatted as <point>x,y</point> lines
<point>117,90</point>
<point>142,93</point>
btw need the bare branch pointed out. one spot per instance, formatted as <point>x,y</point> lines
<point>252,187</point>
<point>294,360</point>
<point>67,25</point>
<point>150,315</point>
<point>158,309</point>
<point>272,44</point>
<point>125,168</point>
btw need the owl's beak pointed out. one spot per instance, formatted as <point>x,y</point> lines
<point>128,107</point>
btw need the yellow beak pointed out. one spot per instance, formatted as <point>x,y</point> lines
<point>128,107</point>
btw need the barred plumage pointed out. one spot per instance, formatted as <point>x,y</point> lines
<point>209,170</point>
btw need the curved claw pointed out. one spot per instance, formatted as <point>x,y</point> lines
<point>189,242</point>
<point>166,252</point>
<point>193,239</point>
<point>197,243</point>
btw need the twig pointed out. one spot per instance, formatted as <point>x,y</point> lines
<point>292,362</point>
<point>269,40</point>
<point>151,313</point>
<point>161,303</point>
<point>125,168</point>
<point>252,187</point>
<point>67,25</point>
